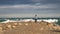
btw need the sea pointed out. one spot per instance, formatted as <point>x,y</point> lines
<point>5,19</point>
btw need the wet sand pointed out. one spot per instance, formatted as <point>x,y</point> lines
<point>29,28</point>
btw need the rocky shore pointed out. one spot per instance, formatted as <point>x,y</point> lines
<point>29,28</point>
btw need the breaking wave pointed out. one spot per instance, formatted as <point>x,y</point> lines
<point>27,20</point>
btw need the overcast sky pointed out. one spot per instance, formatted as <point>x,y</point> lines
<point>28,8</point>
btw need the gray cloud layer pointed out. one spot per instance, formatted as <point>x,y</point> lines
<point>25,8</point>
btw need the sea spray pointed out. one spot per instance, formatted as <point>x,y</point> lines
<point>28,20</point>
<point>8,21</point>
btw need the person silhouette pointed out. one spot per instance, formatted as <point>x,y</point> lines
<point>35,18</point>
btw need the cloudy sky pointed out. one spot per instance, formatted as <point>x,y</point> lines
<point>28,8</point>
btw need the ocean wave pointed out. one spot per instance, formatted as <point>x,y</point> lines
<point>32,20</point>
<point>51,20</point>
<point>8,21</point>
<point>27,20</point>
<point>22,20</point>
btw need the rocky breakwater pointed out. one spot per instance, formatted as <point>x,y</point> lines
<point>29,28</point>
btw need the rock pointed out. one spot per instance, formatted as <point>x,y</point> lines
<point>20,23</point>
<point>13,26</point>
<point>26,24</point>
<point>9,26</point>
<point>1,28</point>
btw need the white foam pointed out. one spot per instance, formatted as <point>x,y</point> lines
<point>51,20</point>
<point>27,20</point>
<point>39,20</point>
<point>8,21</point>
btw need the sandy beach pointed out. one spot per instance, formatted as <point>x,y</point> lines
<point>29,28</point>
